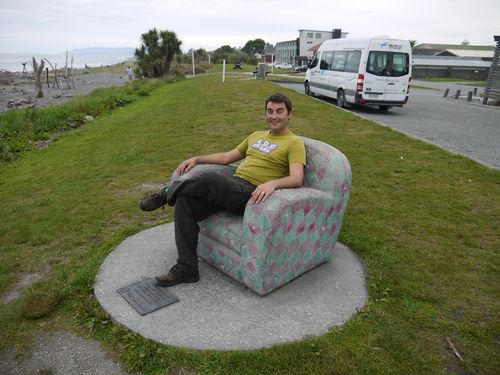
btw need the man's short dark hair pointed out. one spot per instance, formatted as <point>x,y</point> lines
<point>280,98</point>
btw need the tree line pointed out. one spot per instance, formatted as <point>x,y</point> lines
<point>160,54</point>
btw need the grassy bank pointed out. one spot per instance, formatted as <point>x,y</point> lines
<point>120,68</point>
<point>465,81</point>
<point>217,68</point>
<point>20,129</point>
<point>424,220</point>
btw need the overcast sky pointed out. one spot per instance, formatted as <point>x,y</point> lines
<point>53,26</point>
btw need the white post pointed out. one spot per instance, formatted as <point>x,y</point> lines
<point>272,62</point>
<point>192,56</point>
<point>223,70</point>
<point>209,58</point>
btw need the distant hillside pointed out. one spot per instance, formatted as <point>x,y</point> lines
<point>104,51</point>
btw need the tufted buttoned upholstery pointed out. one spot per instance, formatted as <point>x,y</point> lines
<point>291,233</point>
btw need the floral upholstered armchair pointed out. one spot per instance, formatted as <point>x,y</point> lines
<point>290,233</point>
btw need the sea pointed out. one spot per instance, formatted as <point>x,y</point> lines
<point>13,62</point>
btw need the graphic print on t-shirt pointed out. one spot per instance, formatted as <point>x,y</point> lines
<point>264,146</point>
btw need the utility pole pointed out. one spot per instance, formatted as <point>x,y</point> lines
<point>192,58</point>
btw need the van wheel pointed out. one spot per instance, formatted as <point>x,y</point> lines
<point>384,108</point>
<point>307,89</point>
<point>341,99</point>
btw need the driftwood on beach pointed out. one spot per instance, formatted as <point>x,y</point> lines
<point>21,103</point>
<point>38,69</point>
<point>56,77</point>
<point>70,80</point>
<point>17,91</point>
<point>68,77</point>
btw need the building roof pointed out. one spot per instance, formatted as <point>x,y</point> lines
<point>466,53</point>
<point>323,31</point>
<point>442,47</point>
<point>445,61</point>
<point>315,48</point>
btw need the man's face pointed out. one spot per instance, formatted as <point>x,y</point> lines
<point>277,117</point>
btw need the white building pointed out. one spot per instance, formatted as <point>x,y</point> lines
<point>286,51</point>
<point>300,50</point>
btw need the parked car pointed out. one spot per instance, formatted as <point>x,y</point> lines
<point>286,66</point>
<point>302,68</point>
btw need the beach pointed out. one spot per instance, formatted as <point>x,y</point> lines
<point>19,92</point>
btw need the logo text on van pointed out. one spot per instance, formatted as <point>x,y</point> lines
<point>390,46</point>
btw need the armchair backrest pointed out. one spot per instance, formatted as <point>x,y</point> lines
<point>327,168</point>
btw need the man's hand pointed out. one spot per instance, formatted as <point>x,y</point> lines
<point>262,192</point>
<point>294,180</point>
<point>186,165</point>
<point>218,158</point>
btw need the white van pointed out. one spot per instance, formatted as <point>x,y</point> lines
<point>374,72</point>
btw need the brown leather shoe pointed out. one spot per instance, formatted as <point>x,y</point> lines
<point>176,276</point>
<point>154,201</point>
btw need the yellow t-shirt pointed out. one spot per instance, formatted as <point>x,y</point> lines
<point>268,156</point>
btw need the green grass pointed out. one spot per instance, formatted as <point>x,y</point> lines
<point>278,75</point>
<point>217,68</point>
<point>424,220</point>
<point>120,68</point>
<point>468,82</point>
<point>423,87</point>
<point>20,129</point>
<point>282,78</point>
<point>476,83</point>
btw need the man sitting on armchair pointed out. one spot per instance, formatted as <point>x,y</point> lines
<point>274,159</point>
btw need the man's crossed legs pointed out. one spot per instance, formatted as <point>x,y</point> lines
<point>195,199</point>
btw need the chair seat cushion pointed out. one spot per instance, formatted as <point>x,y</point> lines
<point>225,228</point>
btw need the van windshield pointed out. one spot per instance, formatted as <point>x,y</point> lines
<point>390,64</point>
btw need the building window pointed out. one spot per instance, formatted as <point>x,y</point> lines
<point>318,35</point>
<point>310,35</point>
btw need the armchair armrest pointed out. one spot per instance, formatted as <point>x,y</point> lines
<point>291,221</point>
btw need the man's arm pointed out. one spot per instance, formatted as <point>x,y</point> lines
<point>295,179</point>
<point>218,158</point>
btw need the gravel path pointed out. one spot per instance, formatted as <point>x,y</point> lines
<point>22,90</point>
<point>60,353</point>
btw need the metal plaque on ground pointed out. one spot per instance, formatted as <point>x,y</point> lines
<point>145,296</point>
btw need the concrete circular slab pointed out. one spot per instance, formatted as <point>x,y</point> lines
<point>220,314</point>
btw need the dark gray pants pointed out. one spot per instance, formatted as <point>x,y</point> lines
<point>195,199</point>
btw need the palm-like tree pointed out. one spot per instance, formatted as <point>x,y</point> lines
<point>157,51</point>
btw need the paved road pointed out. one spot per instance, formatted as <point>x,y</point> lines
<point>453,86</point>
<point>469,129</point>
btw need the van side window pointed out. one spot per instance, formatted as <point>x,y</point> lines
<point>339,60</point>
<point>352,61</point>
<point>326,60</point>
<point>314,63</point>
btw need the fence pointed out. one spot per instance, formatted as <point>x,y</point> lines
<point>492,90</point>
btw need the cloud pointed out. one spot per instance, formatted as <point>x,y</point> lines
<point>59,25</point>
